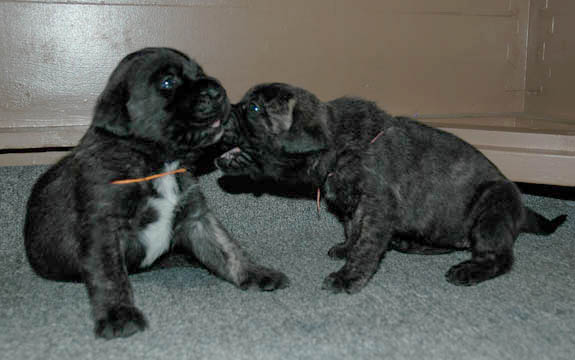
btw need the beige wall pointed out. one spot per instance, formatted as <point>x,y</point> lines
<point>476,65</point>
<point>413,57</point>
<point>551,59</point>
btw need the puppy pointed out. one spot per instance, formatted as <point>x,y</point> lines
<point>393,182</point>
<point>127,193</point>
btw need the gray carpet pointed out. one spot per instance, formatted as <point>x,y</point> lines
<point>408,310</point>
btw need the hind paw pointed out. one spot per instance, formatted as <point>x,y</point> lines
<point>472,272</point>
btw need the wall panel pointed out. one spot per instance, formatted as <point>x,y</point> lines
<point>443,57</point>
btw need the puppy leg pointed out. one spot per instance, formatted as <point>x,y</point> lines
<point>198,232</point>
<point>106,277</point>
<point>352,230</point>
<point>363,259</point>
<point>492,237</point>
<point>210,243</point>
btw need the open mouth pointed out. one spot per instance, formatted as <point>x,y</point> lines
<point>213,122</point>
<point>214,119</point>
<point>202,134</point>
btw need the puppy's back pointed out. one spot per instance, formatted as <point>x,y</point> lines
<point>361,123</point>
<point>427,165</point>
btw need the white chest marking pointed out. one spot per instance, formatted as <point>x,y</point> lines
<point>157,236</point>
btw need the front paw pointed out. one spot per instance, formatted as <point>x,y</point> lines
<point>264,279</point>
<point>120,321</point>
<point>342,280</point>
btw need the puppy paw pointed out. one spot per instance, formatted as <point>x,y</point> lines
<point>120,321</point>
<point>472,272</point>
<point>264,279</point>
<point>464,274</point>
<point>338,251</point>
<point>341,281</point>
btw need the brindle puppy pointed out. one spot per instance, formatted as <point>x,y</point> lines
<point>156,114</point>
<point>394,183</point>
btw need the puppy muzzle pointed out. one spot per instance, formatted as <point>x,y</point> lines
<point>210,105</point>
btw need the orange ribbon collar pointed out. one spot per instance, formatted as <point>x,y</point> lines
<point>148,178</point>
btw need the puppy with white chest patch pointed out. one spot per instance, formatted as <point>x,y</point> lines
<point>127,194</point>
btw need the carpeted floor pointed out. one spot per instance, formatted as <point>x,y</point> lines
<point>408,310</point>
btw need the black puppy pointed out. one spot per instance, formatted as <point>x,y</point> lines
<point>393,182</point>
<point>101,212</point>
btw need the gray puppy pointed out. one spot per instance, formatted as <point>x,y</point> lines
<point>393,182</point>
<point>127,194</point>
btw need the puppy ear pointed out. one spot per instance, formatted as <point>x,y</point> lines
<point>306,133</point>
<point>111,113</point>
<point>284,121</point>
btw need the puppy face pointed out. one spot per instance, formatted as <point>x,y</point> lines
<point>161,95</point>
<point>271,130</point>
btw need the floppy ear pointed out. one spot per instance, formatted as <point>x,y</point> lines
<point>284,122</point>
<point>306,134</point>
<point>111,113</point>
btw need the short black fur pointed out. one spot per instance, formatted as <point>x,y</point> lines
<point>158,112</point>
<point>395,183</point>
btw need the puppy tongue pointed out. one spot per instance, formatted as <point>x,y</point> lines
<point>216,124</point>
<point>228,154</point>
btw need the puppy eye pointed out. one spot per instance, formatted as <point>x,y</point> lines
<point>168,83</point>
<point>254,108</point>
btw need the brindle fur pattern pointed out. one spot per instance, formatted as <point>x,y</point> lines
<point>394,183</point>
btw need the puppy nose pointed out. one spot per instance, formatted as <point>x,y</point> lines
<point>213,92</point>
<point>211,98</point>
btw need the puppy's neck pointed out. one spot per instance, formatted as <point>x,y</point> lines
<point>321,165</point>
<point>129,145</point>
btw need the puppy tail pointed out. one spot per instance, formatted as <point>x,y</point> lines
<point>535,223</point>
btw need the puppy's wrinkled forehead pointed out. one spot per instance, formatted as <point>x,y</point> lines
<point>151,61</point>
<point>175,63</point>
<point>276,98</point>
